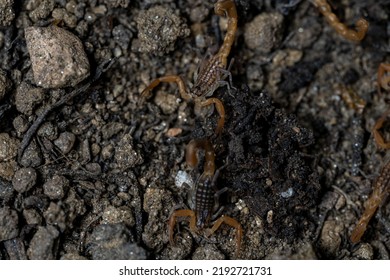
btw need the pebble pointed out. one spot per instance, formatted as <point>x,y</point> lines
<point>158,29</point>
<point>111,242</point>
<point>8,147</point>
<point>65,142</point>
<point>7,13</point>
<point>8,223</point>
<point>113,215</point>
<point>57,57</point>
<point>56,187</point>
<point>55,215</point>
<point>27,97</point>
<point>122,35</point>
<point>330,239</point>
<point>42,245</point>
<point>32,156</point>
<point>125,154</point>
<point>32,216</point>
<point>48,130</point>
<point>6,191</point>
<point>117,3</point>
<point>5,84</point>
<point>207,252</point>
<point>20,124</point>
<point>7,169</point>
<point>364,252</point>
<point>41,11</point>
<point>24,179</point>
<point>8,151</point>
<point>264,32</point>
<point>167,102</point>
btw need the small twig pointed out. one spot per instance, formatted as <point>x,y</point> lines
<point>37,123</point>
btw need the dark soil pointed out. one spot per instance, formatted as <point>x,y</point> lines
<point>91,172</point>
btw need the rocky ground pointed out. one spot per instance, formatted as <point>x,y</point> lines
<point>88,171</point>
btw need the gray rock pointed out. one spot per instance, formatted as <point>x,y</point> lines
<point>57,57</point>
<point>8,223</point>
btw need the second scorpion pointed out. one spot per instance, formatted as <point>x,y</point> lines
<point>212,74</point>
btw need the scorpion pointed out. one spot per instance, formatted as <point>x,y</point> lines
<point>212,74</point>
<point>381,186</point>
<point>205,196</point>
<point>341,28</point>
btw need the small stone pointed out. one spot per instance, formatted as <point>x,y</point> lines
<point>264,32</point>
<point>42,11</point>
<point>6,191</point>
<point>8,147</point>
<point>158,29</point>
<point>27,98</point>
<point>117,3</point>
<point>5,83</point>
<point>73,256</point>
<point>56,187</point>
<point>57,57</point>
<point>107,151</point>
<point>122,35</point>
<point>32,216</point>
<point>7,169</point>
<point>125,154</point>
<point>56,216</point>
<point>20,124</point>
<point>7,13</point>
<point>32,156</point>
<point>48,130</point>
<point>24,179</point>
<point>113,215</point>
<point>42,245</point>
<point>330,239</point>
<point>208,252</point>
<point>8,223</point>
<point>167,102</point>
<point>93,168</point>
<point>364,252</point>
<point>111,242</point>
<point>65,142</point>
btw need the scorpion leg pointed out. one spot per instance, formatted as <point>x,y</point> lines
<point>226,73</point>
<point>181,213</point>
<point>383,80</point>
<point>220,109</point>
<point>169,79</point>
<point>377,135</point>
<point>381,190</point>
<point>231,222</point>
<point>350,34</point>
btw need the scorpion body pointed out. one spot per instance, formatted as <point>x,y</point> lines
<point>205,196</point>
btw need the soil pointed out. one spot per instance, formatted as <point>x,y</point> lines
<point>88,170</point>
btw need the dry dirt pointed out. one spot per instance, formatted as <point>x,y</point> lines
<point>98,177</point>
